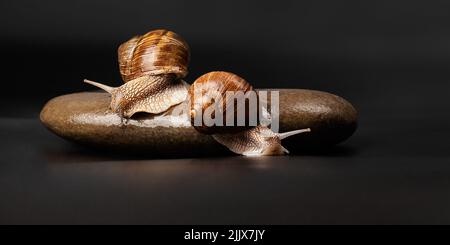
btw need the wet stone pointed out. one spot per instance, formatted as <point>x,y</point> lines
<point>84,118</point>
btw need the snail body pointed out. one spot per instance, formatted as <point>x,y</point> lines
<point>152,67</point>
<point>257,141</point>
<point>151,94</point>
<point>248,140</point>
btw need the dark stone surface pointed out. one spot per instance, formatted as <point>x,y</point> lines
<point>85,118</point>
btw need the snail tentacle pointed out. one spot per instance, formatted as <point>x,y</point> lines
<point>284,135</point>
<point>107,88</point>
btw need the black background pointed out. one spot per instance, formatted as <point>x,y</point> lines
<point>390,59</point>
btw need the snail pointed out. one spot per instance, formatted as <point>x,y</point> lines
<point>152,67</point>
<point>210,95</point>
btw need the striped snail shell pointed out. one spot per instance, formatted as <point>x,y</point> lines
<point>152,67</point>
<point>156,52</point>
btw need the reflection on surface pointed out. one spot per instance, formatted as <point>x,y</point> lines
<point>72,153</point>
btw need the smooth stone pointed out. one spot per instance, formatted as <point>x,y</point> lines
<point>85,118</point>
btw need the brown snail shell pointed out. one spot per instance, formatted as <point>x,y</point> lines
<point>151,94</point>
<point>211,88</point>
<point>156,52</point>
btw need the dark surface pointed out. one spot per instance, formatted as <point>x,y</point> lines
<point>398,174</point>
<point>390,59</point>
